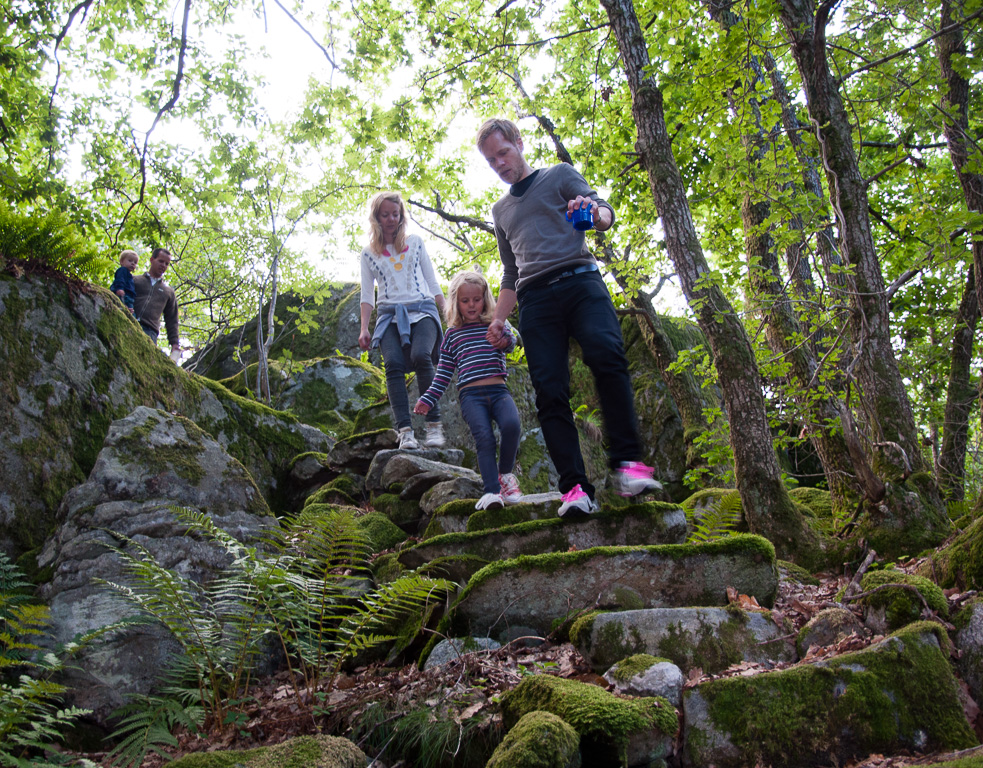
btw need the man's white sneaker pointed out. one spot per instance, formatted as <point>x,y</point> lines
<point>634,478</point>
<point>510,488</point>
<point>576,502</point>
<point>407,440</point>
<point>435,435</point>
<point>490,501</point>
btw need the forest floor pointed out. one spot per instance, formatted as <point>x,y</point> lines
<point>365,703</point>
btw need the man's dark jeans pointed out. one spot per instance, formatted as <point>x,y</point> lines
<point>480,405</point>
<point>577,307</point>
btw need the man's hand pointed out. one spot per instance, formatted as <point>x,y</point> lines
<point>496,334</point>
<point>176,354</point>
<point>602,216</point>
<point>421,407</point>
<point>364,338</point>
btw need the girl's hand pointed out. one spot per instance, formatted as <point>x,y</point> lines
<point>421,408</point>
<point>363,340</point>
<point>496,334</point>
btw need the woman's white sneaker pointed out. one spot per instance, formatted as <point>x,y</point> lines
<point>435,435</point>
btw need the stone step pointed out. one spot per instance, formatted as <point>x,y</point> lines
<point>898,694</point>
<point>460,515</point>
<point>532,593</point>
<point>463,554</point>
<point>709,638</point>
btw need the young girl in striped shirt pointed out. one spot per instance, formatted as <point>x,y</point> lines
<point>481,386</point>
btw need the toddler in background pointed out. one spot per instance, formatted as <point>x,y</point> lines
<point>481,386</point>
<point>123,279</point>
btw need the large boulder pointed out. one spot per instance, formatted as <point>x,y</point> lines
<point>75,361</point>
<point>637,524</point>
<point>151,463</point>
<point>534,592</point>
<point>899,694</point>
<point>709,638</point>
<point>613,730</point>
<point>319,751</point>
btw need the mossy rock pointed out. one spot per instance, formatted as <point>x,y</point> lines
<point>909,520</point>
<point>451,517</point>
<point>960,562</point>
<point>513,514</point>
<point>386,568</point>
<point>344,489</point>
<point>607,724</point>
<point>383,533</point>
<point>817,501</point>
<point>303,752</point>
<point>895,695</point>
<point>538,740</point>
<point>792,572</point>
<point>405,514</point>
<point>633,666</point>
<point>899,605</point>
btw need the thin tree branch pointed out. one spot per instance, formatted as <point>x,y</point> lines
<point>307,32</point>
<point>911,48</point>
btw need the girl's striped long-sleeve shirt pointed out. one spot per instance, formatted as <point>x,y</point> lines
<point>466,350</point>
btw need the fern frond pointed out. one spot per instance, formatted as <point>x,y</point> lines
<point>720,519</point>
<point>147,724</point>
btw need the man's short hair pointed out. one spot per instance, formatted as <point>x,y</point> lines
<point>158,251</point>
<point>507,128</point>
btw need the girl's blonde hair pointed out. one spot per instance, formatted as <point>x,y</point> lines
<point>376,243</point>
<point>454,319</point>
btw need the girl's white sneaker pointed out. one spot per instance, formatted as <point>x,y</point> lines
<point>510,488</point>
<point>490,501</point>
<point>407,440</point>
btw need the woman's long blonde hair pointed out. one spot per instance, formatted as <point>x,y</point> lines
<point>450,306</point>
<point>376,244</point>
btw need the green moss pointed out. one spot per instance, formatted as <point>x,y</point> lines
<point>582,628</point>
<point>405,514</point>
<point>386,568</point>
<point>900,605</point>
<point>593,712</point>
<point>344,489</point>
<point>303,752</point>
<point>513,514</point>
<point>817,501</point>
<point>793,572</point>
<point>383,533</point>
<point>633,666</point>
<point>538,740</point>
<point>960,563</point>
<point>713,648</point>
<point>849,705</point>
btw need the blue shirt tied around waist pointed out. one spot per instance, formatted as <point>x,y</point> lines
<point>386,314</point>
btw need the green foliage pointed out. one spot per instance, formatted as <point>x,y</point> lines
<point>31,720</point>
<point>307,590</point>
<point>720,519</point>
<point>50,239</point>
<point>146,724</point>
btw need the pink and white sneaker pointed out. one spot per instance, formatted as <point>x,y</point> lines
<point>576,502</point>
<point>633,478</point>
<point>510,488</point>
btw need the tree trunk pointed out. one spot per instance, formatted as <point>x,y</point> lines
<point>960,396</point>
<point>955,108</point>
<point>772,303</point>
<point>767,506</point>
<point>886,400</point>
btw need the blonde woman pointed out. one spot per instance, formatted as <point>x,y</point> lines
<point>407,329</point>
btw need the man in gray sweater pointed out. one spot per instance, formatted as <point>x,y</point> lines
<point>551,274</point>
<point>154,298</point>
